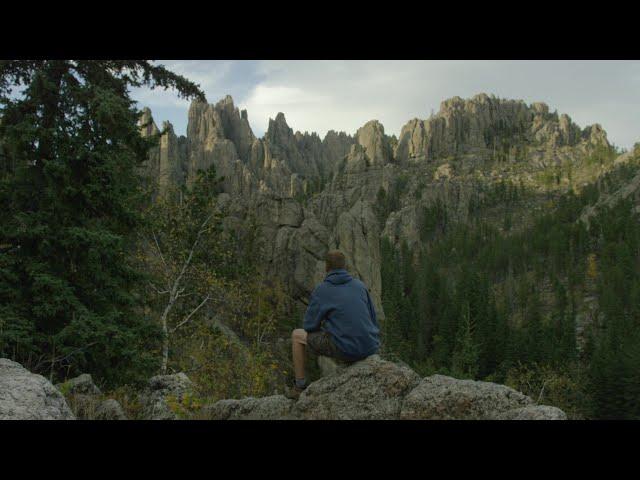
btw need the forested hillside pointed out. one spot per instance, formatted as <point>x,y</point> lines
<point>550,309</point>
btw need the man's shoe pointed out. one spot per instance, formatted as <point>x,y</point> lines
<point>293,392</point>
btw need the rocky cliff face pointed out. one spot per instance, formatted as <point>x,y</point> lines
<point>311,194</point>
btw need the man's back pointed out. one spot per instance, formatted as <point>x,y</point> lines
<point>341,305</point>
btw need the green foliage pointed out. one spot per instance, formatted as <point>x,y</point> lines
<point>563,386</point>
<point>464,361</point>
<point>601,155</point>
<point>433,220</point>
<point>71,201</point>
<point>233,354</point>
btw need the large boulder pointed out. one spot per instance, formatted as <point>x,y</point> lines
<point>110,409</point>
<point>83,396</point>
<point>445,398</point>
<point>376,389</point>
<point>161,393</point>
<point>27,396</point>
<point>371,389</point>
<point>82,384</point>
<point>275,407</point>
<point>532,412</point>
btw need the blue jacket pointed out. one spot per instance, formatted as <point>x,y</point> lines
<point>342,306</point>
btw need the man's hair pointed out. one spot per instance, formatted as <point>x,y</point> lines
<point>335,260</point>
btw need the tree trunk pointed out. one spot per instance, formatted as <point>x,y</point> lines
<point>165,346</point>
<point>165,335</point>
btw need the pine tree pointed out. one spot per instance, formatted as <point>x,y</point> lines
<point>465,354</point>
<point>70,201</point>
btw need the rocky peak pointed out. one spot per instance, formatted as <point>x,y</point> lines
<point>375,143</point>
<point>336,146</point>
<point>540,108</point>
<point>278,131</point>
<point>595,134</point>
<point>167,127</point>
<point>356,160</point>
<point>204,122</point>
<point>147,125</point>
<point>223,120</point>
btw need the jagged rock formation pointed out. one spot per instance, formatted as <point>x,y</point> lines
<point>378,389</point>
<point>309,194</point>
<point>27,396</point>
<point>375,143</point>
<point>166,165</point>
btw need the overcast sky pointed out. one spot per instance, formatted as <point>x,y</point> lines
<point>322,95</point>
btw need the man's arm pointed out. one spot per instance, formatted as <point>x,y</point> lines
<point>314,313</point>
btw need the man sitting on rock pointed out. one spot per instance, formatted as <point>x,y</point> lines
<point>340,321</point>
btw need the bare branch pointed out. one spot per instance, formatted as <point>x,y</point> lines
<point>155,239</point>
<point>541,391</point>
<point>160,292</point>
<point>190,315</point>
<point>181,295</point>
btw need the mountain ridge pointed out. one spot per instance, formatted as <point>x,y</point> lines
<point>330,190</point>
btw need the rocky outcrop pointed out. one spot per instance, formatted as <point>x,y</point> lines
<point>372,389</point>
<point>266,408</point>
<point>330,366</point>
<point>82,395</point>
<point>27,396</point>
<point>336,146</point>
<point>375,143</point>
<point>166,163</point>
<point>87,400</point>
<point>283,146</point>
<point>485,123</point>
<point>531,412</point>
<point>110,409</point>
<point>162,391</point>
<point>377,389</point>
<point>80,385</point>
<point>444,398</point>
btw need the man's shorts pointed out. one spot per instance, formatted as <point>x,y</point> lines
<point>321,343</point>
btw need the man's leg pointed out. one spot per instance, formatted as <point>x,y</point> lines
<point>299,343</point>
